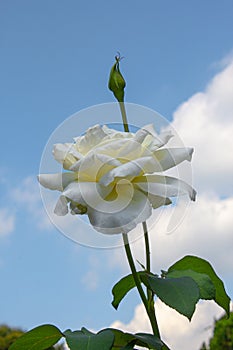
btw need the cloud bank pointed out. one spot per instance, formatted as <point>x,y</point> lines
<point>176,331</point>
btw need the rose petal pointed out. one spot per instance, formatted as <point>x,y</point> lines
<point>171,157</point>
<point>150,139</point>
<point>116,133</point>
<point>92,167</point>
<point>164,186</point>
<point>56,181</point>
<point>92,137</point>
<point>89,162</point>
<point>127,171</point>
<point>141,134</point>
<point>62,154</point>
<point>61,207</point>
<point>161,139</point>
<point>86,193</point>
<point>158,201</point>
<point>131,169</point>
<point>119,148</point>
<point>138,210</point>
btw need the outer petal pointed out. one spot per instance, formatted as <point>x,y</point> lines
<point>157,201</point>
<point>73,151</point>
<point>150,139</point>
<point>112,133</point>
<point>162,139</point>
<point>138,210</point>
<point>61,207</point>
<point>56,181</point>
<point>93,137</point>
<point>164,186</point>
<point>62,152</point>
<point>142,133</point>
<point>171,157</point>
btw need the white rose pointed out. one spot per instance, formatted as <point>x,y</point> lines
<point>116,178</point>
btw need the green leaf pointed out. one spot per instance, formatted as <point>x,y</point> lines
<point>86,331</point>
<point>122,340</point>
<point>204,282</point>
<point>202,266</point>
<point>85,340</point>
<point>126,347</point>
<point>122,287</point>
<point>39,338</point>
<point>149,340</point>
<point>181,294</point>
<point>127,341</point>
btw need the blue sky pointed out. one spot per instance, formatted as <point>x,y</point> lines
<point>55,60</point>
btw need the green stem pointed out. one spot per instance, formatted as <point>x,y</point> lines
<point>148,305</point>
<point>150,295</point>
<point>149,301</point>
<point>147,244</point>
<point>124,116</point>
<point>133,269</point>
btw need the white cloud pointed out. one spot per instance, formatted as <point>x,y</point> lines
<point>223,63</point>
<point>7,222</point>
<point>205,231</point>
<point>205,122</point>
<point>176,331</point>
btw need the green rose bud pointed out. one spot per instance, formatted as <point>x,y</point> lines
<point>116,81</point>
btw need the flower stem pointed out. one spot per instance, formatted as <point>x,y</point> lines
<point>133,269</point>
<point>149,306</point>
<point>147,244</point>
<point>150,295</point>
<point>149,300</point>
<point>124,116</point>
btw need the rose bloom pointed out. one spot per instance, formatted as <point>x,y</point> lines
<point>116,178</point>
